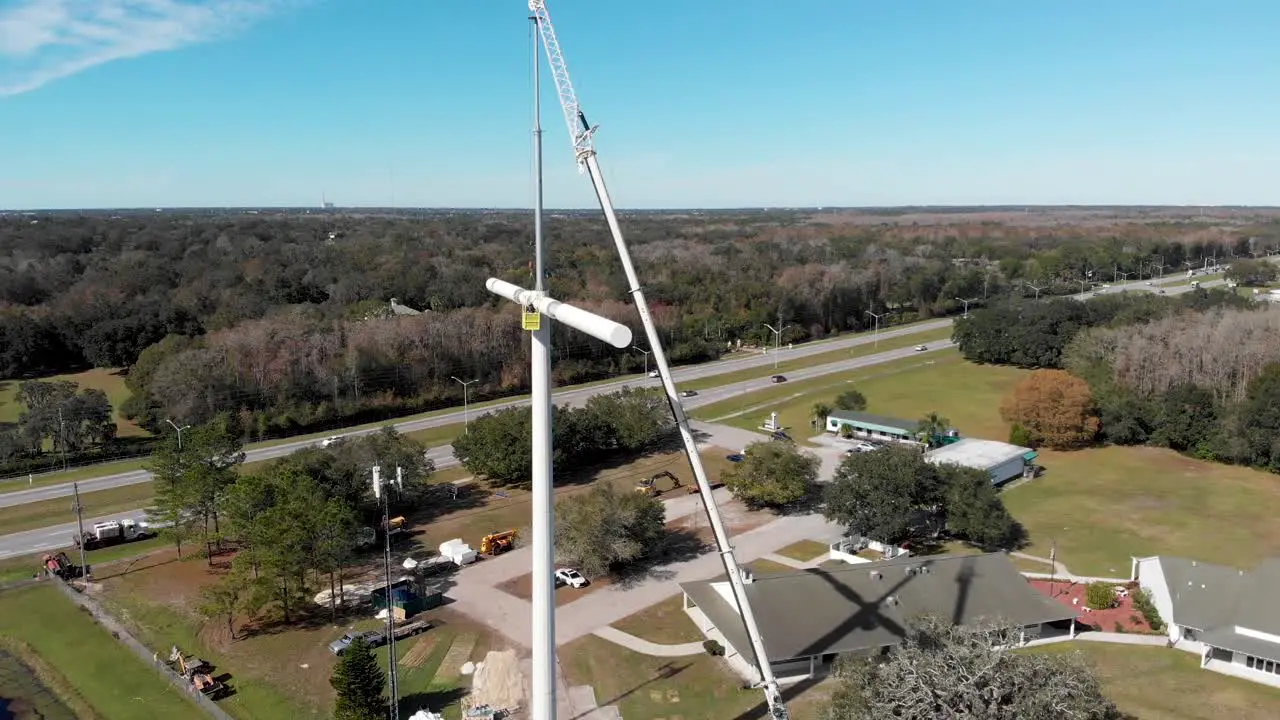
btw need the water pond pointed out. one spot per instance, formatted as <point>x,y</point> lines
<point>24,697</point>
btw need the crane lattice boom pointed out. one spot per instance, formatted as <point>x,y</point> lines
<point>585,155</point>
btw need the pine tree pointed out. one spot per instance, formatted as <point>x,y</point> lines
<point>359,683</point>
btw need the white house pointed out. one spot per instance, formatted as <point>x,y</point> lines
<point>1229,617</point>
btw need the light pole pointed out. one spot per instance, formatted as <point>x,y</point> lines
<point>179,429</point>
<point>777,339</point>
<point>876,341</point>
<point>466,419</point>
<point>1083,285</point>
<point>1037,289</point>
<point>646,358</point>
<point>1124,276</point>
<point>966,305</point>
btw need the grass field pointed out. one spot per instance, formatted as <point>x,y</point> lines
<point>109,381</point>
<point>1155,683</point>
<point>31,516</point>
<point>785,365</point>
<point>1101,506</point>
<point>803,550</point>
<point>102,672</point>
<point>665,622</point>
<point>103,562</point>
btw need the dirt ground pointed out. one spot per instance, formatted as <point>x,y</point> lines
<point>522,587</point>
<point>1124,617</point>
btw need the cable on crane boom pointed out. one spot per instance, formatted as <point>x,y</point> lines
<point>581,133</point>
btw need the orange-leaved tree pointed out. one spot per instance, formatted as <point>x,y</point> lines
<point>1054,408</point>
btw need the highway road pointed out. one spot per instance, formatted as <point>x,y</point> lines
<point>52,537</point>
<point>57,536</point>
<point>444,456</point>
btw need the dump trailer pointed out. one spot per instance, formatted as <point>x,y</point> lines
<point>113,532</point>
<point>498,543</point>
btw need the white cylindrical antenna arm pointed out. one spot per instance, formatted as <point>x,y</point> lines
<point>599,327</point>
<point>377,482</point>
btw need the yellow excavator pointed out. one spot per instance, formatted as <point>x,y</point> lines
<point>650,486</point>
<point>498,543</point>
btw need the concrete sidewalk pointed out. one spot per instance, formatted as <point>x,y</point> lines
<point>645,647</point>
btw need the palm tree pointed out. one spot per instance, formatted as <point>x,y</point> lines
<point>931,427</point>
<point>818,415</point>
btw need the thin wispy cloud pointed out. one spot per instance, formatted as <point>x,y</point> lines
<point>45,40</point>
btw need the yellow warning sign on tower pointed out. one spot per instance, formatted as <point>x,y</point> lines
<point>531,320</point>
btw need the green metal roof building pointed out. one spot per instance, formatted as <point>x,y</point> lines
<point>873,427</point>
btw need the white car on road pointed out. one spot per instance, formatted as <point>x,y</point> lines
<point>330,441</point>
<point>921,348</point>
<point>570,577</point>
<point>860,448</point>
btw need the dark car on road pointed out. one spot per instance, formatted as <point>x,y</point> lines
<point>688,393</point>
<point>778,378</point>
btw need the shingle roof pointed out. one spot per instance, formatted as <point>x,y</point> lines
<point>1204,595</point>
<point>1259,604</point>
<point>820,611</point>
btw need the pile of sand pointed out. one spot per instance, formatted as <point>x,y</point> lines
<point>498,682</point>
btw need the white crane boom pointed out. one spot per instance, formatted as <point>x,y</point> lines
<point>585,155</point>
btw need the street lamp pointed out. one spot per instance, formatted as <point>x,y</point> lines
<point>777,339</point>
<point>1033,287</point>
<point>646,358</point>
<point>1083,285</point>
<point>966,305</point>
<point>466,420</point>
<point>179,429</point>
<point>876,342</point>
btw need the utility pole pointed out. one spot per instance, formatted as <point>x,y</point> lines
<point>380,493</point>
<point>876,341</point>
<point>1083,285</point>
<point>966,305</point>
<point>646,358</point>
<point>466,419</point>
<point>777,339</point>
<point>79,510</point>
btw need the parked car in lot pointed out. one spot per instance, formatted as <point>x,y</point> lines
<point>570,577</point>
<point>777,378</point>
<point>372,638</point>
<point>735,457</point>
<point>688,393</point>
<point>860,448</point>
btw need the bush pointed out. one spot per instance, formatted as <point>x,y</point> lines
<point>1142,601</point>
<point>1100,596</point>
<point>713,648</point>
<point>846,432</point>
<point>1018,435</point>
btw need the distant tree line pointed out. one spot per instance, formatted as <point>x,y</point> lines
<point>283,318</point>
<point>1199,374</point>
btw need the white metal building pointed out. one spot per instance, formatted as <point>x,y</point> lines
<point>1002,461</point>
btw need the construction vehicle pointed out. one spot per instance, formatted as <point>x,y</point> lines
<point>395,527</point>
<point>60,566</point>
<point>498,543</point>
<point>198,673</point>
<point>581,134</point>
<point>650,486</point>
<point>113,532</point>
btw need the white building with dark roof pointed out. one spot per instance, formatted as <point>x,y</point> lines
<point>1229,616</point>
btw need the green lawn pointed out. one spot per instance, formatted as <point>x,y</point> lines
<point>665,622</point>
<point>1155,683</point>
<point>804,550</point>
<point>101,671</point>
<point>107,380</point>
<point>1101,506</point>
<point>785,366</point>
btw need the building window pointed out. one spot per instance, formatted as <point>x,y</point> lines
<point>1262,665</point>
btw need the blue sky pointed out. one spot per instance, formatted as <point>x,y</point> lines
<point>702,103</point>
